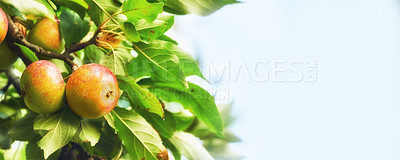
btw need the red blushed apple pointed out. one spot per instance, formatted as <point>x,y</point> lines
<point>3,25</point>
<point>92,91</point>
<point>43,87</point>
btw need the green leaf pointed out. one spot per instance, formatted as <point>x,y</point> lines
<point>89,132</point>
<point>19,65</point>
<point>95,12</point>
<point>93,54</point>
<point>61,125</point>
<point>40,8</point>
<point>81,3</point>
<point>198,7</point>
<point>64,68</point>
<point>23,128</point>
<point>16,101</point>
<point>163,126</point>
<point>100,10</point>
<point>110,120</point>
<point>140,68</point>
<point>51,3</point>
<point>27,53</point>
<point>109,144</point>
<point>170,19</point>
<point>164,61</point>
<point>130,32</point>
<point>16,152</point>
<point>117,62</point>
<point>73,28</point>
<point>183,120</point>
<point>6,111</point>
<point>189,146</point>
<point>140,139</point>
<point>78,8</point>
<point>186,61</point>
<point>5,140</point>
<point>139,96</point>
<point>151,31</point>
<point>135,10</point>
<point>33,152</point>
<point>158,62</point>
<point>195,98</point>
<point>172,148</point>
<point>168,39</point>
<point>9,9</point>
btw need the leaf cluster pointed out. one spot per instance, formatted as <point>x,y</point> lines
<point>160,115</point>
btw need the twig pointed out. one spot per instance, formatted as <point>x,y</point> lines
<point>5,88</point>
<point>78,46</point>
<point>12,34</point>
<point>15,35</point>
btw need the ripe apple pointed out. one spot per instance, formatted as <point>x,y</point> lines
<point>92,91</point>
<point>8,57</point>
<point>46,34</point>
<point>43,87</point>
<point>3,25</point>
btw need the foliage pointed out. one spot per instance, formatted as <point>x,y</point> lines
<point>140,126</point>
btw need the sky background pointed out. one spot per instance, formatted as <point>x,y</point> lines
<point>309,79</point>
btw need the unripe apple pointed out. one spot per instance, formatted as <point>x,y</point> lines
<point>3,25</point>
<point>7,56</point>
<point>92,91</point>
<point>43,87</point>
<point>46,34</point>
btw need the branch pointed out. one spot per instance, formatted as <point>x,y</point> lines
<point>81,45</point>
<point>13,78</point>
<point>12,34</point>
<point>5,88</point>
<point>15,35</point>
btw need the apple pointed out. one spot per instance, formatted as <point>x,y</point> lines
<point>43,87</point>
<point>3,25</point>
<point>8,57</point>
<point>92,91</point>
<point>46,34</point>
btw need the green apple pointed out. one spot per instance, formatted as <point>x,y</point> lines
<point>46,34</point>
<point>7,56</point>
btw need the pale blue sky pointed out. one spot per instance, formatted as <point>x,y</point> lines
<point>352,110</point>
